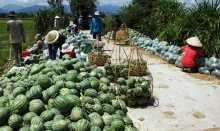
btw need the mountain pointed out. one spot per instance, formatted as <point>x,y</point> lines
<point>102,8</point>
<point>34,8</point>
<point>108,8</point>
<point>10,7</point>
<point>3,11</point>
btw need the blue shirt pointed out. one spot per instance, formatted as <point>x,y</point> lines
<point>96,25</point>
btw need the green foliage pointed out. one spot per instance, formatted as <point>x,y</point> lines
<point>171,21</point>
<point>44,21</point>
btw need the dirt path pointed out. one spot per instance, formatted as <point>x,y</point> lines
<point>181,101</point>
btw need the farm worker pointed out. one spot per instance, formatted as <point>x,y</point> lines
<point>39,45</point>
<point>56,22</point>
<point>96,26</point>
<point>17,36</point>
<point>67,49</point>
<point>55,40</point>
<point>71,27</point>
<point>115,26</point>
<point>89,19</point>
<point>191,52</point>
<point>76,31</point>
<point>80,22</point>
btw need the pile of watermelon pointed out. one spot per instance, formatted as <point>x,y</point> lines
<point>135,91</point>
<point>61,95</point>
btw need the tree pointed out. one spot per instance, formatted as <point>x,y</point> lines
<point>76,6</point>
<point>57,6</point>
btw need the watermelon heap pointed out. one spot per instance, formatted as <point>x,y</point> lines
<point>61,95</point>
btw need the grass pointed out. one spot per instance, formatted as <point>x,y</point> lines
<point>4,39</point>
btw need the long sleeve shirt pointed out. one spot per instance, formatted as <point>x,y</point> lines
<point>16,30</point>
<point>96,25</point>
<point>189,57</point>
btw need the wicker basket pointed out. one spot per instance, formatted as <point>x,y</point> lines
<point>98,59</point>
<point>137,68</point>
<point>123,33</point>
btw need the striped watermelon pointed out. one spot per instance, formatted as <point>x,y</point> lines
<point>19,105</point>
<point>47,115</point>
<point>73,99</point>
<point>107,119</point>
<point>37,126</point>
<point>83,125</point>
<point>118,125</point>
<point>60,125</point>
<point>36,119</point>
<point>44,81</point>
<point>28,116</point>
<point>48,125</point>
<point>6,128</point>
<point>36,106</point>
<point>4,115</point>
<point>95,128</point>
<point>108,108</point>
<point>76,113</point>
<point>91,93</point>
<point>62,103</point>
<point>64,91</point>
<point>15,121</point>
<point>97,122</point>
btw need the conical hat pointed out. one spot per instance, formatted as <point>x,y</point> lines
<point>52,37</point>
<point>194,41</point>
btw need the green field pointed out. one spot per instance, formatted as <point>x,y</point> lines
<point>4,39</point>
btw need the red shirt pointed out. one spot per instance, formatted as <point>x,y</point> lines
<point>72,54</point>
<point>188,59</point>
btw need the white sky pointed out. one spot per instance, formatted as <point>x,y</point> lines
<point>44,2</point>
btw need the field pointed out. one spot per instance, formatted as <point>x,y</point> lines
<point>4,39</point>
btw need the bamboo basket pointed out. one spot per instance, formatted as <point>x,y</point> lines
<point>137,65</point>
<point>123,33</point>
<point>97,58</point>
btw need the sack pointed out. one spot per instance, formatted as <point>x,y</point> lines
<point>122,34</point>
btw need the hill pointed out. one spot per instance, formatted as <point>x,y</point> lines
<point>17,8</point>
<point>10,7</point>
<point>34,8</point>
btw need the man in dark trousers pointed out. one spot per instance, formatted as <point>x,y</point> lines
<point>115,26</point>
<point>17,36</point>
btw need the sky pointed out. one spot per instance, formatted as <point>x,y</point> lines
<point>44,2</point>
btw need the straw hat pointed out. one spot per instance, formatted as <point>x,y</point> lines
<point>194,41</point>
<point>89,16</point>
<point>66,48</point>
<point>97,13</point>
<point>12,14</point>
<point>57,17</point>
<point>71,23</point>
<point>52,37</point>
<point>38,36</point>
<point>80,16</point>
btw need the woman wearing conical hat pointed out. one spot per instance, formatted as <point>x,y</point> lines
<point>191,52</point>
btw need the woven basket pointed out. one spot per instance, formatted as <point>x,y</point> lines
<point>137,68</point>
<point>98,59</point>
<point>123,33</point>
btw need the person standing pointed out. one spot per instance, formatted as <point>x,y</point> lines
<point>80,22</point>
<point>55,40</point>
<point>115,26</point>
<point>96,26</point>
<point>56,22</point>
<point>17,36</point>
